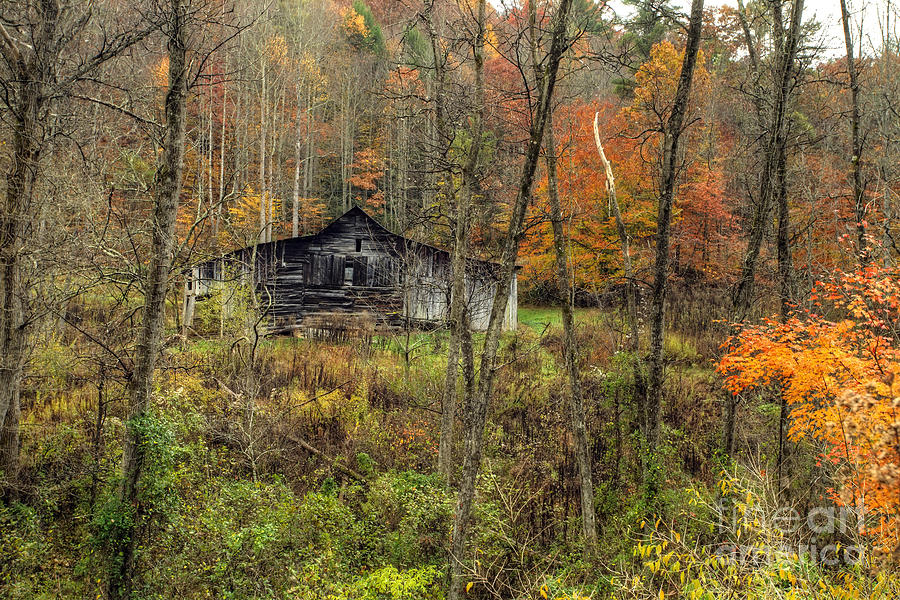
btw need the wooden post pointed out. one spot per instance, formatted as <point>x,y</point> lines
<point>190,297</point>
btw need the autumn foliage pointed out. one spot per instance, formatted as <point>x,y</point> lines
<point>705,226</point>
<point>838,367</point>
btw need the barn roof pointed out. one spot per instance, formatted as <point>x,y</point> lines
<point>354,211</point>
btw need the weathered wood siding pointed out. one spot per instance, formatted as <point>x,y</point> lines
<point>349,267</point>
<point>355,267</point>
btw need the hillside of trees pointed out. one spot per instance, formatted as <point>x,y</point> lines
<point>700,205</point>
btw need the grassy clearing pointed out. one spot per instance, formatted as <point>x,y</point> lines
<point>539,317</point>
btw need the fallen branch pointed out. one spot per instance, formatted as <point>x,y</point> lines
<point>344,469</point>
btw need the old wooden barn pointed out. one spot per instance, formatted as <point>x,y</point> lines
<point>352,269</point>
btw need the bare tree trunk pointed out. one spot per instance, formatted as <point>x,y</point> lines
<point>275,152</point>
<point>570,349</point>
<point>35,75</point>
<point>772,183</point>
<point>308,162</point>
<point>210,153</point>
<point>458,265</point>
<point>751,47</point>
<point>28,133</point>
<point>731,400</point>
<point>13,219</point>
<point>565,287</point>
<point>786,292</point>
<point>149,338</point>
<point>263,200</point>
<point>632,297</point>
<point>218,223</point>
<point>241,144</point>
<point>785,260</point>
<point>346,145</point>
<point>461,200</point>
<point>775,152</point>
<point>672,132</point>
<point>859,187</point>
<point>295,213</point>
<point>477,403</point>
<point>448,404</point>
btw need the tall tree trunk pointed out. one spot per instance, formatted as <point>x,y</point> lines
<point>774,152</point>
<point>786,293</point>
<point>748,38</point>
<point>149,338</point>
<point>458,257</point>
<point>32,73</point>
<point>14,219</point>
<point>276,151</point>
<point>346,145</point>
<point>859,191</point>
<point>783,242</point>
<point>461,202</point>
<point>37,75</point>
<point>785,260</point>
<point>221,202</point>
<point>309,152</point>
<point>210,154</point>
<point>672,132</point>
<point>570,349</point>
<point>263,200</point>
<point>731,400</point>
<point>298,144</point>
<point>773,182</point>
<point>565,289</point>
<point>631,301</point>
<point>477,402</point>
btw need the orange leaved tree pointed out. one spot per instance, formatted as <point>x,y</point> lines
<point>839,368</point>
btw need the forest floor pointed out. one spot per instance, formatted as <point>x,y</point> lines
<point>311,474</point>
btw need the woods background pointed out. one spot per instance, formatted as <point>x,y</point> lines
<point>703,206</point>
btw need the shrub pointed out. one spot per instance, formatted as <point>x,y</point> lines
<point>415,512</point>
<point>746,551</point>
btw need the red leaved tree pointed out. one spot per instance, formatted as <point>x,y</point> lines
<point>840,376</point>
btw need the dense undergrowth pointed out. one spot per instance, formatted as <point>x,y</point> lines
<point>321,484</point>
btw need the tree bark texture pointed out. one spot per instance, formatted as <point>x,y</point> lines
<point>33,68</point>
<point>570,349</point>
<point>775,154</point>
<point>670,144</point>
<point>859,187</point>
<point>477,404</point>
<point>149,340</point>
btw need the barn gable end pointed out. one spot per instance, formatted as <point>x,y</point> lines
<point>352,268</point>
